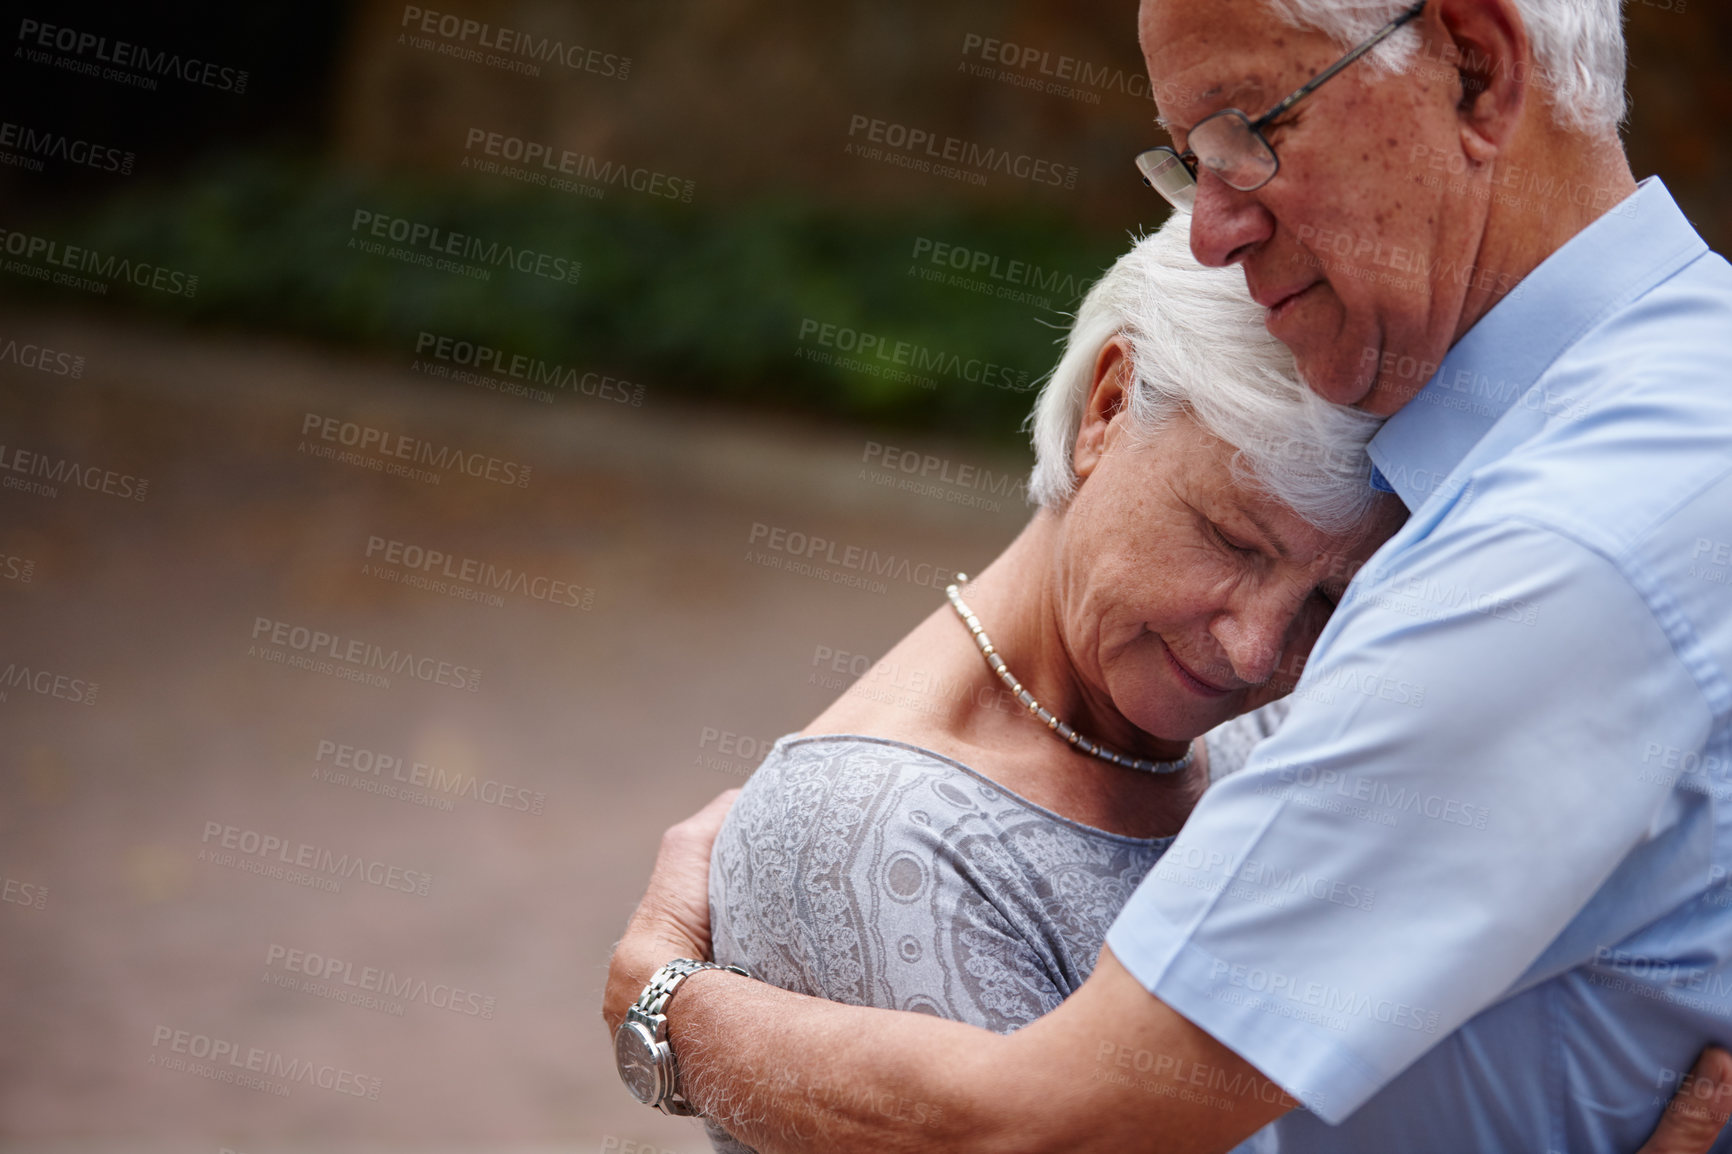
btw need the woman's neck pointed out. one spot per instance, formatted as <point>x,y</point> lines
<point>934,690</point>
<point>1016,601</point>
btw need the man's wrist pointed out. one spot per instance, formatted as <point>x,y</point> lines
<point>643,1043</point>
<point>635,960</point>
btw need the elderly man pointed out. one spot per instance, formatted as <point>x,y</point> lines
<point>1518,726</point>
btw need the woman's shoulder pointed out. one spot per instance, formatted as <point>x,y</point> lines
<point>822,784</point>
<point>852,766</point>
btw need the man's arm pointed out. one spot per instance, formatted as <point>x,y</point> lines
<point>1111,1069</point>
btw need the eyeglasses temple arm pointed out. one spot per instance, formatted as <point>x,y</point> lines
<point>1317,81</point>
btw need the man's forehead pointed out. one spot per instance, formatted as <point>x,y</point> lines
<point>1224,21</point>
<point>1176,105</point>
<point>1203,57</point>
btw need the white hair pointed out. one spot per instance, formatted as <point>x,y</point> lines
<point>1198,346</point>
<point>1578,49</point>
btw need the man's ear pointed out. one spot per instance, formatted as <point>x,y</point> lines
<point>1108,394</point>
<point>1488,44</point>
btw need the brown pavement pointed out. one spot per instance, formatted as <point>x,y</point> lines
<point>180,846</point>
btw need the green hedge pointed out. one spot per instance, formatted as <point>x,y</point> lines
<point>699,299</point>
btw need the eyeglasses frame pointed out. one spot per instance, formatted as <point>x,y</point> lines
<point>1256,127</point>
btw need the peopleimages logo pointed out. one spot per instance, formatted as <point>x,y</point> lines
<point>927,148</point>
<point>46,683</point>
<point>362,764</point>
<point>263,853</point>
<point>430,243</point>
<point>1057,75</point>
<point>543,162</point>
<point>131,63</point>
<point>22,893</point>
<point>981,271</point>
<point>807,550</point>
<point>522,367</point>
<point>360,656</point>
<point>373,980</point>
<point>53,471</point>
<point>882,355</point>
<point>48,259</point>
<point>229,1061</point>
<point>27,147</point>
<point>524,52</point>
<point>28,355</point>
<point>402,447</point>
<point>468,571</point>
<point>940,478</point>
<point>1326,998</point>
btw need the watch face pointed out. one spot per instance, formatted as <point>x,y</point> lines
<point>639,1058</point>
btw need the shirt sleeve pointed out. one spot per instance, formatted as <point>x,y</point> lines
<point>1459,774</point>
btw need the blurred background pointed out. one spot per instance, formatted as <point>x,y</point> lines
<point>440,446</point>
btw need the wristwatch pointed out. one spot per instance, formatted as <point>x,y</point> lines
<point>640,1046</point>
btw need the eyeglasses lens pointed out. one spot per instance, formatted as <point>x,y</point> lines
<point>1226,145</point>
<point>1167,175</point>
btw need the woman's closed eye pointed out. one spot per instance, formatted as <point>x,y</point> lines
<point>1330,597</point>
<point>1233,543</point>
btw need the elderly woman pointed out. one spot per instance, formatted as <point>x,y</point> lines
<point>1200,512</point>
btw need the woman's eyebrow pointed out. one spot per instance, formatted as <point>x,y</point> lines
<point>1269,535</point>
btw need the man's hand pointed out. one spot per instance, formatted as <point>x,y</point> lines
<point>673,919</point>
<point>1698,1110</point>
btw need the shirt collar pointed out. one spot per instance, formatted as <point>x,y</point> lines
<point>1617,258</point>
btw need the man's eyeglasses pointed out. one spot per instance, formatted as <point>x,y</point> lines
<point>1232,145</point>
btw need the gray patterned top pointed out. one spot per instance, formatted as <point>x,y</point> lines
<point>878,873</point>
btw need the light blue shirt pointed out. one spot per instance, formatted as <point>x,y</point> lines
<point>1473,895</point>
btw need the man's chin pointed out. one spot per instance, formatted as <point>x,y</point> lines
<point>1335,374</point>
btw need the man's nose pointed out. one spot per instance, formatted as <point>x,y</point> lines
<point>1226,223</point>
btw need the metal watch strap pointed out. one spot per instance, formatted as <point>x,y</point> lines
<point>665,981</point>
<point>653,1003</point>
